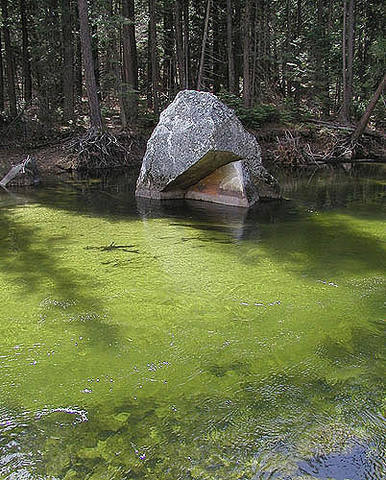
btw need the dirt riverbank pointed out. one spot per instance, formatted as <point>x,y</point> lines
<point>283,145</point>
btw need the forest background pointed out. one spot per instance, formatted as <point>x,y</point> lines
<point>276,62</point>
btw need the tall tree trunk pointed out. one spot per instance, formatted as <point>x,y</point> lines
<point>1,77</point>
<point>369,110</point>
<point>319,50</point>
<point>130,64</point>
<point>327,58</point>
<point>231,58</point>
<point>203,45</point>
<point>25,53</point>
<point>78,57</point>
<point>180,44</point>
<point>238,50</point>
<point>299,24</point>
<point>78,68</point>
<point>285,82</point>
<point>96,58</point>
<point>130,57</point>
<point>68,61</point>
<point>350,51</point>
<point>10,60</point>
<point>348,55</point>
<point>247,84</point>
<point>88,63</point>
<point>255,48</point>
<point>153,55</point>
<point>345,106</point>
<point>299,18</point>
<point>186,45</point>
<point>168,45</point>
<point>219,35</point>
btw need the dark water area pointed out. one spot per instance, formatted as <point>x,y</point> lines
<point>186,340</point>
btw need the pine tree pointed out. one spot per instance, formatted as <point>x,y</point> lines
<point>10,60</point>
<point>88,63</point>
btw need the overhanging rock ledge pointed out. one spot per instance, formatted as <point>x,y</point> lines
<point>200,150</point>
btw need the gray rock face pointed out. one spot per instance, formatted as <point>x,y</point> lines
<point>200,150</point>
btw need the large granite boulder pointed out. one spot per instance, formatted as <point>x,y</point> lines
<point>200,150</point>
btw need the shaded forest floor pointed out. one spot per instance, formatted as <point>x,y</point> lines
<point>294,145</point>
<point>53,156</point>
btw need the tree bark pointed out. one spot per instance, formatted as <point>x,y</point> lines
<point>10,60</point>
<point>299,24</point>
<point>369,110</point>
<point>168,78</point>
<point>130,57</point>
<point>180,44</point>
<point>186,44</point>
<point>88,63</point>
<point>238,50</point>
<point>96,58</point>
<point>203,45</point>
<point>25,53</point>
<point>78,64</point>
<point>348,55</point>
<point>320,54</point>
<point>218,40</point>
<point>153,55</point>
<point>285,82</point>
<point>231,58</point>
<point>327,103</point>
<point>68,61</point>
<point>130,64</point>
<point>247,86</point>
<point>344,112</point>
<point>1,77</point>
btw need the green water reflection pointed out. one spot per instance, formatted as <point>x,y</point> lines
<point>189,341</point>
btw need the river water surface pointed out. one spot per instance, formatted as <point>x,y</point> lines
<point>190,341</point>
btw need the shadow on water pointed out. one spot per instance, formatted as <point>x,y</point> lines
<point>28,263</point>
<point>293,231</point>
<point>112,196</point>
<point>287,229</point>
<point>326,234</point>
<point>316,246</point>
<point>316,231</point>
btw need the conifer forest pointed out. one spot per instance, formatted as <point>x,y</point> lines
<point>62,61</point>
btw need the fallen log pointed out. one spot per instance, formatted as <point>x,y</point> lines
<point>353,160</point>
<point>346,128</point>
<point>27,167</point>
<point>360,129</point>
<point>14,172</point>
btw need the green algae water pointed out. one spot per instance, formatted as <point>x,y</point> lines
<point>189,341</point>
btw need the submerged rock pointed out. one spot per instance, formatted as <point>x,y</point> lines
<point>200,150</point>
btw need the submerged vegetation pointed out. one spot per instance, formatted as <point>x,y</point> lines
<point>144,341</point>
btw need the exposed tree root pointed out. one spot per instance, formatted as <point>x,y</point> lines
<point>293,150</point>
<point>96,150</point>
<point>290,152</point>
